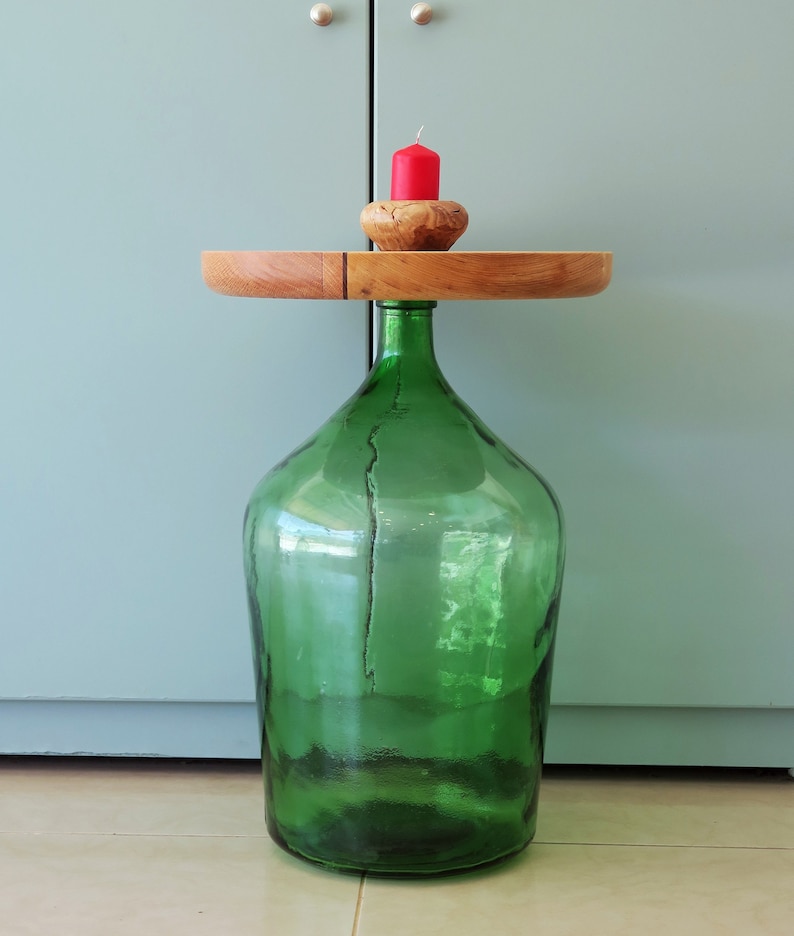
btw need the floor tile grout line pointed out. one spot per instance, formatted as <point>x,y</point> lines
<point>265,837</point>
<point>359,904</point>
<point>220,835</point>
<point>670,845</point>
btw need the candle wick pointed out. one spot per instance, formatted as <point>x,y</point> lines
<point>420,133</point>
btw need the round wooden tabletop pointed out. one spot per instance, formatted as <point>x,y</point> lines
<point>406,274</point>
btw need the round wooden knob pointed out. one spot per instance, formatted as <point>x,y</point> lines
<point>414,225</point>
<point>321,14</point>
<point>421,13</point>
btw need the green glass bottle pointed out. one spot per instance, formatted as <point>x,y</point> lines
<point>404,571</point>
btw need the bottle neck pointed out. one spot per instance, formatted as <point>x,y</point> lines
<point>406,333</point>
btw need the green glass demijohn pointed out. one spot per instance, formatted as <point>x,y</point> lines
<point>404,570</point>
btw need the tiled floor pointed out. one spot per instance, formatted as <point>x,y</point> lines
<point>157,847</point>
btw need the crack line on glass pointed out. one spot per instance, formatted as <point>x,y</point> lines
<point>374,526</point>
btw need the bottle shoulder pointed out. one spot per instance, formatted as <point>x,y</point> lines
<point>455,475</point>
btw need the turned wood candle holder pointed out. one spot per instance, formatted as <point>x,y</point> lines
<point>414,225</point>
<point>413,262</point>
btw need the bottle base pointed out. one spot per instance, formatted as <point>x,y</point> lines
<point>429,846</point>
<point>401,872</point>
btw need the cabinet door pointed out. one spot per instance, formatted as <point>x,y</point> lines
<point>661,411</point>
<point>139,409</point>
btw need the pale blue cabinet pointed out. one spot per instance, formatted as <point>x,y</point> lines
<point>139,409</point>
<point>662,410</point>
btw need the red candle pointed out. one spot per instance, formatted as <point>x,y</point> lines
<point>414,173</point>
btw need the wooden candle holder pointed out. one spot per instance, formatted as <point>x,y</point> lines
<point>414,225</point>
<point>413,263</point>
